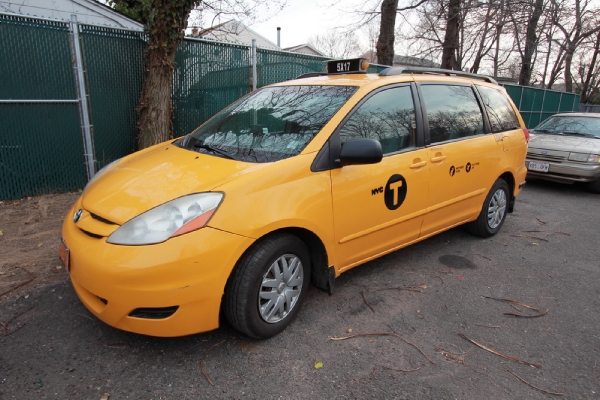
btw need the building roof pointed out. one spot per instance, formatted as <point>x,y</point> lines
<point>89,12</point>
<point>236,32</point>
<point>306,49</point>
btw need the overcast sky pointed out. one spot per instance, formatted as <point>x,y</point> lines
<point>302,19</point>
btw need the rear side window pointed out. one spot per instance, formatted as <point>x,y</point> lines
<point>500,113</point>
<point>452,111</point>
<point>387,116</point>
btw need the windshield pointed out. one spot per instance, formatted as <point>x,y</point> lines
<point>270,124</point>
<point>571,125</point>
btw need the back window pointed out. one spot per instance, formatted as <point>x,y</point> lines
<point>500,113</point>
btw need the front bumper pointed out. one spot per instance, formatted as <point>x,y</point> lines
<point>565,171</point>
<point>188,272</point>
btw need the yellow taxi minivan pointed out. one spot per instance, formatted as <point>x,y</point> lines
<point>292,184</point>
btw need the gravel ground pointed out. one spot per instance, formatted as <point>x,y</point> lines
<point>417,314</point>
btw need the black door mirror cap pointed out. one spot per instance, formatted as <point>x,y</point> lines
<point>361,151</point>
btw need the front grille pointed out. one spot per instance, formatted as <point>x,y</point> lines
<point>90,234</point>
<point>99,218</point>
<point>545,157</point>
<point>153,313</point>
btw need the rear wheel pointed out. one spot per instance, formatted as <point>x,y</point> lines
<point>493,212</point>
<point>268,285</point>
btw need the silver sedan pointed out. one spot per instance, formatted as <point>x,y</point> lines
<point>566,148</point>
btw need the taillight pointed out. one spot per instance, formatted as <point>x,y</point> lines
<point>526,133</point>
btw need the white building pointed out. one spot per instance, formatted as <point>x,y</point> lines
<point>88,12</point>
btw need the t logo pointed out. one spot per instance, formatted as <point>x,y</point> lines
<point>395,191</point>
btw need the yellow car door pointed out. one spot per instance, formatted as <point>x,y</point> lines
<point>380,207</point>
<point>462,157</point>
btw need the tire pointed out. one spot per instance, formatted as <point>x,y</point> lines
<point>594,186</point>
<point>493,213</point>
<point>267,287</point>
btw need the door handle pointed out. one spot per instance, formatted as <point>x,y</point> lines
<point>438,158</point>
<point>418,165</point>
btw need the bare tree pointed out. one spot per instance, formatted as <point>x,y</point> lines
<point>588,72</point>
<point>165,22</point>
<point>385,43</point>
<point>533,10</point>
<point>577,22</point>
<point>336,44</point>
<point>450,46</point>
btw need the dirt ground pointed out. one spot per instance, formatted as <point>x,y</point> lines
<point>29,240</point>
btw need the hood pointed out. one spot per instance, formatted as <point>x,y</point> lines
<point>156,176</point>
<point>564,143</point>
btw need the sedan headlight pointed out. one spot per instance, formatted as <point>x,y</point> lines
<point>584,157</point>
<point>174,218</point>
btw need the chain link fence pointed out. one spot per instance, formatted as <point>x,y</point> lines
<point>42,136</point>
<point>536,105</point>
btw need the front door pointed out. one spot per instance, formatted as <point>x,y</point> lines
<point>380,207</point>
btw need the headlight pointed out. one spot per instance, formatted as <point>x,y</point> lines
<point>102,171</point>
<point>583,157</point>
<point>174,218</point>
<point>594,158</point>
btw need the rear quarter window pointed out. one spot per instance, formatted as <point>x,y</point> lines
<point>500,113</point>
<point>452,112</point>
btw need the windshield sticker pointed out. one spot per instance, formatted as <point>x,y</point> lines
<point>395,192</point>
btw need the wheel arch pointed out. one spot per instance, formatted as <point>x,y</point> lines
<point>509,178</point>
<point>321,274</point>
<point>319,259</point>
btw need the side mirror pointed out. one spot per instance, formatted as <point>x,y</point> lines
<point>361,151</point>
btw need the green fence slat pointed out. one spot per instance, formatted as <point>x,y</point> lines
<point>536,104</point>
<point>35,59</point>
<point>114,62</point>
<point>209,76</point>
<point>40,150</point>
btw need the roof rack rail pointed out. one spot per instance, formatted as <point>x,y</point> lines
<point>439,71</point>
<point>311,75</point>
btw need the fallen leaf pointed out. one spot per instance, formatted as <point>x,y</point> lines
<point>461,277</point>
<point>105,397</point>
<point>1,233</point>
<point>40,244</point>
<point>535,244</point>
<point>349,330</point>
<point>423,286</point>
<point>318,364</point>
<point>58,267</point>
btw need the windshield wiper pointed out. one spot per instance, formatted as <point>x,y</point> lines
<point>215,150</point>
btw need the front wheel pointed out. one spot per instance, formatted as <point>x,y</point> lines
<point>267,286</point>
<point>594,186</point>
<point>493,212</point>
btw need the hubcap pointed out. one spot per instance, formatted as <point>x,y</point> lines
<point>496,209</point>
<point>280,288</point>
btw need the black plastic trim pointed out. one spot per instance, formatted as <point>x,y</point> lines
<point>153,313</point>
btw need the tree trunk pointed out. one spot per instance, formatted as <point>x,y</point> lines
<point>568,61</point>
<point>451,39</point>
<point>155,110</point>
<point>586,93</point>
<point>385,43</point>
<point>531,42</point>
